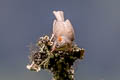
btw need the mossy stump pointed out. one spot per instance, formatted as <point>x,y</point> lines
<point>60,62</point>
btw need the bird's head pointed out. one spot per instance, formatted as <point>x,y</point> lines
<point>62,41</point>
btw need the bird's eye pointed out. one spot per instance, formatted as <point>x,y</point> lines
<point>57,45</point>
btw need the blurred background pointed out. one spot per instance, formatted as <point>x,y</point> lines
<point>97,28</point>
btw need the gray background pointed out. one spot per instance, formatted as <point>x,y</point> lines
<point>97,28</point>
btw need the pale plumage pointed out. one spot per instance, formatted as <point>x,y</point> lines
<point>62,30</point>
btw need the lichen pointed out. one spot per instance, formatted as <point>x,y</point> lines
<point>59,63</point>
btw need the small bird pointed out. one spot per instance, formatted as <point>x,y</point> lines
<point>63,32</point>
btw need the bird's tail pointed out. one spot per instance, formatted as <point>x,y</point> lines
<point>59,15</point>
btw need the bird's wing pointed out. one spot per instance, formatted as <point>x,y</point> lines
<point>69,29</point>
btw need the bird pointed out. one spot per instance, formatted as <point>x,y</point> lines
<point>63,32</point>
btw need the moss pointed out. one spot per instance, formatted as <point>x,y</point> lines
<point>59,63</point>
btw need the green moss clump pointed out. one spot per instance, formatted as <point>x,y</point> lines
<point>59,62</point>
